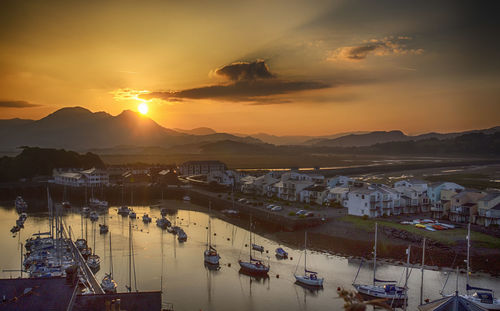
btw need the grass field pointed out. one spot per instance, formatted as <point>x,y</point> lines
<point>471,180</point>
<point>449,237</point>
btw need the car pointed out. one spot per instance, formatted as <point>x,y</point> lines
<point>309,214</point>
<point>301,212</point>
<point>277,208</point>
<point>241,200</point>
<point>270,206</point>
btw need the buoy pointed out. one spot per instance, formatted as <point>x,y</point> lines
<point>291,258</point>
<point>228,239</point>
<point>246,245</point>
<point>277,276</point>
<point>215,233</point>
<point>267,251</point>
<point>229,264</point>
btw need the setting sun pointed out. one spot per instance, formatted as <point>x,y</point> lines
<point>143,108</point>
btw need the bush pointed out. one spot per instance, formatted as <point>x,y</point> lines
<point>302,216</point>
<point>365,217</point>
<point>291,214</point>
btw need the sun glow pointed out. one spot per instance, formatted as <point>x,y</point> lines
<point>143,108</point>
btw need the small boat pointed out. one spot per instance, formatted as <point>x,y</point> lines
<point>429,228</point>
<point>146,219</point>
<point>20,223</point>
<point>86,252</point>
<point>181,236</point>
<point>187,198</point>
<point>108,284</point>
<point>123,210</point>
<point>94,262</point>
<point>420,226</point>
<point>132,214</point>
<point>258,248</point>
<point>21,205</point>
<point>94,216</point>
<point>163,212</point>
<point>447,226</point>
<point>310,278</point>
<point>163,223</point>
<point>438,227</point>
<point>86,211</point>
<point>103,228</point>
<point>281,253</point>
<point>211,256</point>
<point>15,229</point>
<point>81,244</point>
<point>176,229</point>
<point>23,216</point>
<point>253,266</point>
<point>66,204</point>
<point>98,203</point>
<point>171,230</point>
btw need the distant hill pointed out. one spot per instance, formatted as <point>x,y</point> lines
<point>197,131</point>
<point>379,137</point>
<point>294,139</point>
<point>79,129</point>
<point>38,161</point>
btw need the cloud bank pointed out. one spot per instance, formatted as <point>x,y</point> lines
<point>16,104</point>
<point>248,81</point>
<point>379,47</point>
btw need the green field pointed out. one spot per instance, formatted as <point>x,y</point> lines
<point>449,237</point>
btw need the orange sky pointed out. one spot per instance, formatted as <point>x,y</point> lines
<point>286,67</point>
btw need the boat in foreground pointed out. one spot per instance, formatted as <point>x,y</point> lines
<point>310,278</point>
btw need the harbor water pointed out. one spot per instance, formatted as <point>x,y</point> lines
<point>163,263</point>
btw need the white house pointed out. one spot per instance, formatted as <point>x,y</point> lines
<point>226,178</point>
<point>338,194</point>
<point>314,194</point>
<point>78,178</point>
<point>363,201</point>
<point>339,181</point>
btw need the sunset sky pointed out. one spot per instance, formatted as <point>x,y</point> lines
<point>281,67</point>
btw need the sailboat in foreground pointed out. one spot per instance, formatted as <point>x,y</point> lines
<point>210,255</point>
<point>310,278</point>
<point>253,266</point>
<point>108,284</point>
<point>381,289</point>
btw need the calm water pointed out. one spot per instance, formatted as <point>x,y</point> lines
<point>190,286</point>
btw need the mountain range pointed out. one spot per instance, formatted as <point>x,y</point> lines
<point>77,128</point>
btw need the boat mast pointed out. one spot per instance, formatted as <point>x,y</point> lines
<point>422,269</point>
<point>129,256</point>
<point>209,237</point>
<point>375,254</point>
<point>110,257</point>
<point>468,257</point>
<point>250,245</point>
<point>305,253</point>
<point>93,224</point>
<point>407,276</point>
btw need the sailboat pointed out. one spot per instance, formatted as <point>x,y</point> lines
<point>94,261</point>
<point>108,284</point>
<point>253,266</point>
<point>396,295</point>
<point>483,297</point>
<point>310,278</point>
<point>211,256</point>
<point>131,260</point>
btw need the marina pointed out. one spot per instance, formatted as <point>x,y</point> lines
<point>223,288</point>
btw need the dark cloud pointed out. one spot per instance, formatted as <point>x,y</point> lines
<point>249,82</point>
<point>242,71</point>
<point>16,104</point>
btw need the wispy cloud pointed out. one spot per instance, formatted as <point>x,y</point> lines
<point>379,47</point>
<point>248,82</point>
<point>16,104</point>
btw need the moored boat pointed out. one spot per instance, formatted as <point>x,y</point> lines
<point>281,253</point>
<point>310,278</point>
<point>146,218</point>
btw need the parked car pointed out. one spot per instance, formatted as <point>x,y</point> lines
<point>301,212</point>
<point>270,206</point>
<point>309,214</point>
<point>277,208</point>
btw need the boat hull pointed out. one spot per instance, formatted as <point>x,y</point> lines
<point>212,259</point>
<point>254,269</point>
<point>489,306</point>
<point>369,292</point>
<point>305,280</point>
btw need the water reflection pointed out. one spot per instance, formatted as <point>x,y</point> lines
<point>178,269</point>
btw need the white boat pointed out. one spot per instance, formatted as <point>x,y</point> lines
<point>381,289</point>
<point>98,203</point>
<point>146,218</point>
<point>483,297</point>
<point>310,278</point>
<point>108,284</point>
<point>132,214</point>
<point>210,255</point>
<point>253,266</point>
<point>94,216</point>
<point>81,244</point>
<point>186,198</point>
<point>429,228</point>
